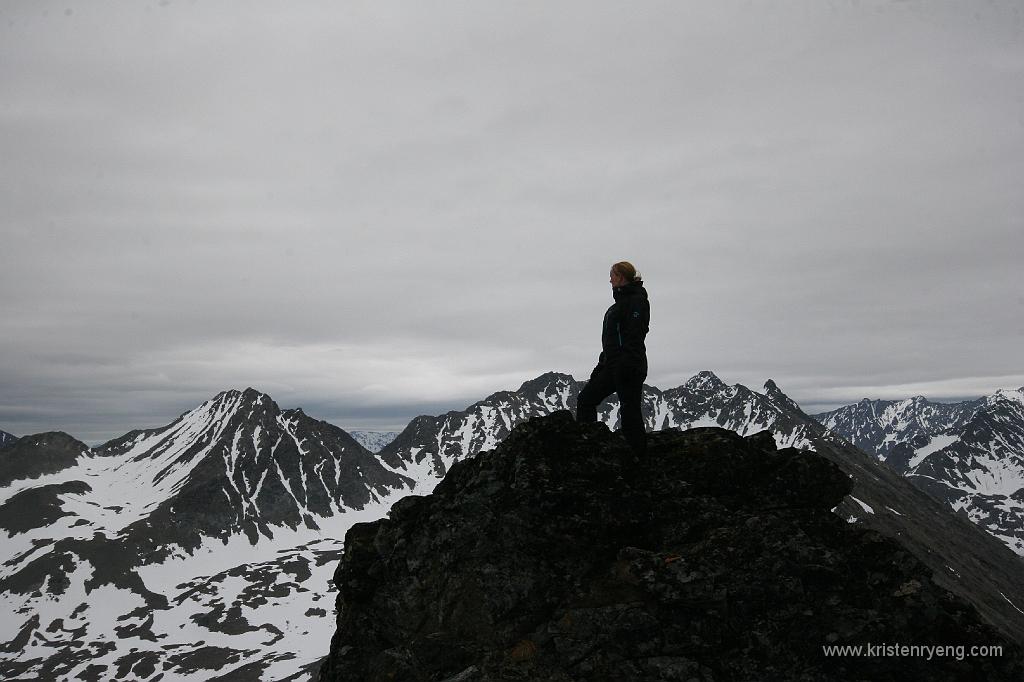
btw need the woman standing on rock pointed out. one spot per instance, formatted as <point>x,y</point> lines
<point>622,366</point>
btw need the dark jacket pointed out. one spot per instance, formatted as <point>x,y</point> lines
<point>626,323</point>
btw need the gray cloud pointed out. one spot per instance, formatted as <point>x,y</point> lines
<point>397,208</point>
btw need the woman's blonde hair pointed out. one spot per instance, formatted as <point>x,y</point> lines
<point>626,269</point>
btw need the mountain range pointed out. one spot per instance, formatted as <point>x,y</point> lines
<point>428,446</point>
<point>969,454</point>
<point>205,548</point>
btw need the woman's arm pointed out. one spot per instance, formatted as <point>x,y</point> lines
<point>634,321</point>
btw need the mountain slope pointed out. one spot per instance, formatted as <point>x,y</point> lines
<point>968,454</point>
<point>981,471</point>
<point>964,558</point>
<point>373,441</point>
<point>6,439</point>
<point>103,543</point>
<point>897,430</point>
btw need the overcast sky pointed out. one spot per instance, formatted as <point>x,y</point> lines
<point>375,210</point>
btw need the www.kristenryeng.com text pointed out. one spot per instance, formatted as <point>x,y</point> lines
<point>927,651</point>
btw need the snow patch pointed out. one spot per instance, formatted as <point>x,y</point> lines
<point>863,505</point>
<point>1010,602</point>
<point>937,443</point>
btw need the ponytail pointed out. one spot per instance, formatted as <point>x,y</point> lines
<point>626,269</point>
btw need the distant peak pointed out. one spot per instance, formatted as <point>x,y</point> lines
<point>772,390</point>
<point>543,380</point>
<point>54,438</point>
<point>250,394</point>
<point>230,394</point>
<point>250,401</point>
<point>553,375</point>
<point>914,403</point>
<point>704,381</point>
<point>1010,394</point>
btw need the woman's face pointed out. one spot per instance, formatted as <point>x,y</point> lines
<point>616,279</point>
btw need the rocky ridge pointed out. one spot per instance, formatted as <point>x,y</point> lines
<point>555,557</point>
<point>967,558</point>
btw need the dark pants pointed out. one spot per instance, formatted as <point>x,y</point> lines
<point>628,382</point>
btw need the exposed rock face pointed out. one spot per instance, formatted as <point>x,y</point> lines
<point>38,454</point>
<point>981,470</point>
<point>896,430</point>
<point>555,557</point>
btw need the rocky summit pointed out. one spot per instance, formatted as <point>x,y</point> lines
<point>558,557</point>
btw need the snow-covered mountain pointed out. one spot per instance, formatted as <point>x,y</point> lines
<point>208,544</point>
<point>203,545</point>
<point>205,548</point>
<point>899,431</point>
<point>969,454</point>
<point>6,438</point>
<point>374,441</point>
<point>429,445</point>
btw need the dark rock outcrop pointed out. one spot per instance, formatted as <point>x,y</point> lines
<point>555,557</point>
<point>39,454</point>
<point>964,558</point>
